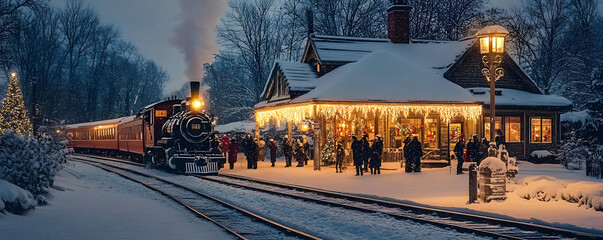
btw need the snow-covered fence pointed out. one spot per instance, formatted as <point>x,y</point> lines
<point>30,163</point>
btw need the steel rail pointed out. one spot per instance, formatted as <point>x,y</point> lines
<point>287,230</point>
<point>456,216</point>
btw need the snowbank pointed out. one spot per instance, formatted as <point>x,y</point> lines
<point>241,126</point>
<point>546,188</point>
<point>15,199</point>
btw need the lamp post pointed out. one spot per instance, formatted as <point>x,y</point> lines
<point>492,46</point>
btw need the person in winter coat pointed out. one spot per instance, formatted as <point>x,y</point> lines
<point>339,156</point>
<point>415,152</point>
<point>261,150</point>
<point>483,151</point>
<point>408,162</point>
<point>273,148</point>
<point>300,155</point>
<point>357,155</point>
<point>366,151</point>
<point>224,144</point>
<point>253,153</point>
<point>458,152</point>
<point>500,138</point>
<point>287,150</point>
<point>470,147</point>
<point>306,146</point>
<point>473,151</point>
<point>376,151</point>
<point>233,149</point>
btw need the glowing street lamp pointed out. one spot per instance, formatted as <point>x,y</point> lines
<point>492,46</point>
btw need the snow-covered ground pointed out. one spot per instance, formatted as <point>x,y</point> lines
<point>441,187</point>
<point>89,203</point>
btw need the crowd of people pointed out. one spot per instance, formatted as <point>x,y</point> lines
<point>476,150</point>
<point>365,155</point>
<point>254,150</point>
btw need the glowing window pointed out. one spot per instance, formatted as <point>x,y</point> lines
<point>513,129</point>
<point>497,124</point>
<point>541,129</point>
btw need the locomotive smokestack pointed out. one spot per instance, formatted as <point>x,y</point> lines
<point>195,86</point>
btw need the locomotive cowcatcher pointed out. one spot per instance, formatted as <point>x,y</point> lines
<point>177,134</point>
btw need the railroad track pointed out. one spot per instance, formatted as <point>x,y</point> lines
<point>235,220</point>
<point>462,222</point>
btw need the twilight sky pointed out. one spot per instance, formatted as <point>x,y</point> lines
<point>154,26</point>
<point>151,26</point>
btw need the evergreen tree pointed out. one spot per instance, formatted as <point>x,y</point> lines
<point>13,115</point>
<point>328,147</point>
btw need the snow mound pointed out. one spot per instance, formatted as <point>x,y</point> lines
<point>241,126</point>
<point>540,153</point>
<point>546,188</point>
<point>542,188</point>
<point>589,194</point>
<point>15,199</point>
<point>494,164</point>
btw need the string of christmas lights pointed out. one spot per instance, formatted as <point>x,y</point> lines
<point>296,114</point>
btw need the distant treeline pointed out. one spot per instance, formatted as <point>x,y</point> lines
<point>85,71</point>
<point>557,42</point>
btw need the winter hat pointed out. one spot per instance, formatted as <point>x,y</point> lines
<point>272,140</point>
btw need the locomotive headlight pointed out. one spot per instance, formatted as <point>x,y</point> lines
<point>197,104</point>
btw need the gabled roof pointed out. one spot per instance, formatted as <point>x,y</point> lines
<point>298,76</point>
<point>383,76</point>
<point>439,55</point>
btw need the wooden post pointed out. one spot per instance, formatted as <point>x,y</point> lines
<point>317,140</point>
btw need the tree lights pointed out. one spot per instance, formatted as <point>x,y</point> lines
<point>297,113</point>
<point>13,115</point>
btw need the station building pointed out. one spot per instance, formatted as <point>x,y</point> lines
<point>398,87</point>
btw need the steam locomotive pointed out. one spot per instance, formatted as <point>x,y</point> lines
<point>176,134</point>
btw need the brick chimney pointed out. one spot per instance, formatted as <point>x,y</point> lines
<point>398,21</point>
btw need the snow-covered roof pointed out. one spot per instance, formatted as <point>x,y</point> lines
<point>438,55</point>
<point>127,119</point>
<point>512,97</point>
<point>103,122</point>
<point>241,126</point>
<point>580,116</point>
<point>388,77</point>
<point>494,29</point>
<point>298,76</point>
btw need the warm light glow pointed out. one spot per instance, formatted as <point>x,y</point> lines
<point>498,44</point>
<point>305,127</point>
<point>197,104</point>
<point>58,131</point>
<point>297,113</point>
<point>484,44</point>
<point>13,74</point>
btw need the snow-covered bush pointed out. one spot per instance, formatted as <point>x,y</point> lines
<point>30,163</point>
<point>545,188</point>
<point>14,199</point>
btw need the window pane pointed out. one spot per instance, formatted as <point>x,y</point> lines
<point>536,133</point>
<point>513,129</point>
<point>487,126</point>
<point>546,130</point>
<point>484,44</point>
<point>431,133</point>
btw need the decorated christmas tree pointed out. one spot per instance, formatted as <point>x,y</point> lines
<point>328,148</point>
<point>13,115</point>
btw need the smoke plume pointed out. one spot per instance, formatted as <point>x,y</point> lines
<point>195,35</point>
